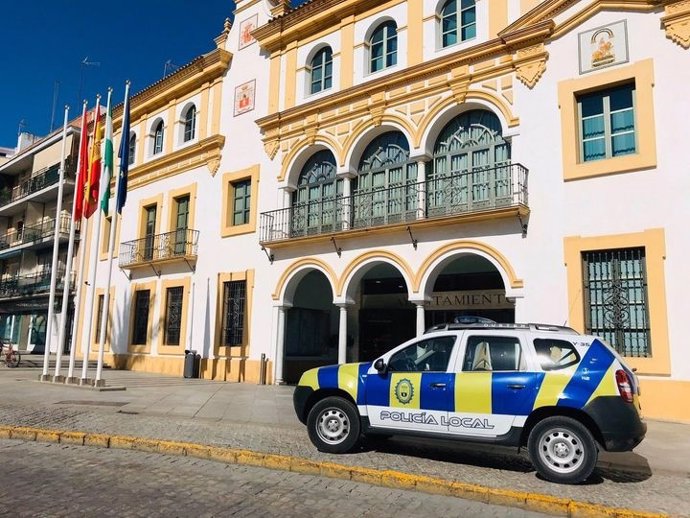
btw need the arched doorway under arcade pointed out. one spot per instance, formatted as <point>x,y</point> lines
<point>467,284</point>
<point>311,326</point>
<point>382,316</point>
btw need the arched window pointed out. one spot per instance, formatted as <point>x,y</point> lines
<point>383,47</point>
<point>321,71</point>
<point>458,22</point>
<point>189,124</point>
<point>314,202</point>
<point>471,166</point>
<point>385,189</point>
<point>132,146</point>
<point>158,138</point>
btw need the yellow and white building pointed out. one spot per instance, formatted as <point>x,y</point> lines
<point>362,170</point>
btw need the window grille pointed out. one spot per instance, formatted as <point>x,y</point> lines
<point>234,303</point>
<point>141,317</point>
<point>616,303</point>
<point>173,315</point>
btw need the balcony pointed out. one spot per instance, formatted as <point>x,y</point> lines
<point>170,247</point>
<point>37,235</point>
<point>39,183</point>
<point>480,194</point>
<point>29,285</point>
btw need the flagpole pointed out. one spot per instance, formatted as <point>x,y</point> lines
<point>68,266</point>
<point>105,188</point>
<point>93,263</point>
<point>56,244</point>
<point>79,282</point>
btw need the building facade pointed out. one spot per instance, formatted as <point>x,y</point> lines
<point>384,166</point>
<point>29,184</point>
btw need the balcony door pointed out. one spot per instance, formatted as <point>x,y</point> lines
<point>314,202</point>
<point>471,166</point>
<point>385,187</point>
<point>181,224</point>
<point>149,231</point>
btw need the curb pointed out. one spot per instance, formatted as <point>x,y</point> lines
<point>386,478</point>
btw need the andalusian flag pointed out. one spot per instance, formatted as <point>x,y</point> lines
<point>91,190</point>
<point>107,158</point>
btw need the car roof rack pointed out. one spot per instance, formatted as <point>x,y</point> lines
<point>531,326</point>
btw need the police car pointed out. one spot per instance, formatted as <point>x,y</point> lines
<point>561,394</point>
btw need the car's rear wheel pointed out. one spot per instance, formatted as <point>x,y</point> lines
<point>333,425</point>
<point>562,450</point>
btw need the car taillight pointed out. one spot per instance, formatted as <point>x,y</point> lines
<point>624,385</point>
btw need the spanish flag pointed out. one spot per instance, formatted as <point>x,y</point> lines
<point>83,169</point>
<point>93,182</point>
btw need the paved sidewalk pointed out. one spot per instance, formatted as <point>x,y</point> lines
<point>656,477</point>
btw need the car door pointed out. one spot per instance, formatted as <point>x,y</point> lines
<point>415,390</point>
<point>493,390</point>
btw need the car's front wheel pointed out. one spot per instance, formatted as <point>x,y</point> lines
<point>333,425</point>
<point>562,450</point>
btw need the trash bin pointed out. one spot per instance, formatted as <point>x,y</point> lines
<point>191,364</point>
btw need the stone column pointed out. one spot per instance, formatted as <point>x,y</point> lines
<point>421,188</point>
<point>342,334</point>
<point>346,202</point>
<point>280,344</point>
<point>420,318</point>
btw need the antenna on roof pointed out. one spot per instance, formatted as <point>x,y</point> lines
<point>85,63</point>
<point>169,67</point>
<point>56,92</point>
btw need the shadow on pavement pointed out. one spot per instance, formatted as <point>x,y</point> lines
<point>630,467</point>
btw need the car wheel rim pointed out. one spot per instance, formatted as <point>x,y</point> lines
<point>561,450</point>
<point>333,426</point>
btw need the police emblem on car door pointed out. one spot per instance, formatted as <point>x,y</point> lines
<point>415,391</point>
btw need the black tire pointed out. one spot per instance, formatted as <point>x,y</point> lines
<point>333,425</point>
<point>562,450</point>
<point>12,359</point>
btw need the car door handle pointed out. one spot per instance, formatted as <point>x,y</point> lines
<point>438,385</point>
<point>516,386</point>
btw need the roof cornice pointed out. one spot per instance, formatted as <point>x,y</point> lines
<point>308,19</point>
<point>204,68</point>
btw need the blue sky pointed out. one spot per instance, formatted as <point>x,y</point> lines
<point>45,41</point>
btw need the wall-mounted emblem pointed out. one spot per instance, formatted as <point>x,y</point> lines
<point>244,97</point>
<point>404,391</point>
<point>603,47</point>
<point>246,28</point>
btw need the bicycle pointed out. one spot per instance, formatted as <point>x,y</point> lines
<point>9,355</point>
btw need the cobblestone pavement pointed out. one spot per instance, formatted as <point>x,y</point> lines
<point>97,482</point>
<point>262,419</point>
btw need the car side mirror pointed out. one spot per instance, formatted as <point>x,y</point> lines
<point>379,365</point>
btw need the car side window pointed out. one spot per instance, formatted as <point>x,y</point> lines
<point>431,355</point>
<point>555,354</point>
<point>493,353</point>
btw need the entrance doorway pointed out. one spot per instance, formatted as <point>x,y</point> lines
<point>311,333</point>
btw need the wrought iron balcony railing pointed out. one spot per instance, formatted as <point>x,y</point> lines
<point>469,192</point>
<point>34,233</point>
<point>33,284</point>
<point>45,178</point>
<point>179,244</point>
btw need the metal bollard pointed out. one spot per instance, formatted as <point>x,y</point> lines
<point>262,370</point>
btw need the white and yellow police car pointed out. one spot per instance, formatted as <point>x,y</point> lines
<point>560,393</point>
